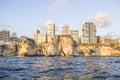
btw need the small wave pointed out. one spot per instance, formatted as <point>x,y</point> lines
<point>116,61</point>
<point>11,69</point>
<point>117,76</point>
<point>85,67</point>
<point>56,70</point>
<point>101,76</point>
<point>3,75</point>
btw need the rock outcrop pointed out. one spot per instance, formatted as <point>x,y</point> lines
<point>109,51</point>
<point>94,51</point>
<point>6,50</point>
<point>60,46</point>
<point>27,47</point>
<point>99,50</point>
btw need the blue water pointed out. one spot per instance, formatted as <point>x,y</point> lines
<point>27,68</point>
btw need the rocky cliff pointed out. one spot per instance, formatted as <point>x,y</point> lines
<point>99,49</point>
<point>60,46</point>
<point>26,47</point>
<point>109,51</point>
<point>7,50</point>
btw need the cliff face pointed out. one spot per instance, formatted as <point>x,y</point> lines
<point>26,47</point>
<point>64,46</point>
<point>89,50</point>
<point>108,51</point>
<point>99,50</point>
<point>60,46</point>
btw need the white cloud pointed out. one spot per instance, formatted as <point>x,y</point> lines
<point>58,4</point>
<point>100,19</point>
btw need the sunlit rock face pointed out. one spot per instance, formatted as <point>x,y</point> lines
<point>60,46</point>
<point>66,45</point>
<point>108,51</point>
<point>99,50</point>
<point>88,50</point>
<point>26,47</point>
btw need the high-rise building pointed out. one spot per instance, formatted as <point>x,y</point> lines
<point>13,34</point>
<point>35,35</point>
<point>75,35</point>
<point>50,30</point>
<point>89,33</point>
<point>64,29</point>
<point>4,35</point>
<point>13,37</point>
<point>42,38</point>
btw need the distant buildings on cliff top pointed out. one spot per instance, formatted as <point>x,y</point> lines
<point>6,38</point>
<point>88,33</point>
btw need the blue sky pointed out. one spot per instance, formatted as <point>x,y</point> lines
<point>24,16</point>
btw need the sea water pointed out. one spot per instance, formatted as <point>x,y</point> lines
<point>80,68</point>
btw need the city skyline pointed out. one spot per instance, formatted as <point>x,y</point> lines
<point>24,17</point>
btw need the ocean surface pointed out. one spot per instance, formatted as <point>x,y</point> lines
<point>60,68</point>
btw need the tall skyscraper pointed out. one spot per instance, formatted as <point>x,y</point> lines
<point>75,35</point>
<point>64,29</point>
<point>4,35</point>
<point>35,35</point>
<point>89,33</point>
<point>51,30</point>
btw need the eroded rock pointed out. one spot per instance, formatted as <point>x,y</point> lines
<point>26,47</point>
<point>60,46</point>
<point>7,50</point>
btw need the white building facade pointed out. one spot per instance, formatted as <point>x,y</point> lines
<point>64,29</point>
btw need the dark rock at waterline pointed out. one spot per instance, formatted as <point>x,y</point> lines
<point>94,51</point>
<point>37,53</point>
<point>6,50</point>
<point>78,53</point>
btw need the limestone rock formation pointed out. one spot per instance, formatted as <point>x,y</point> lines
<point>60,46</point>
<point>99,50</point>
<point>6,50</point>
<point>27,47</point>
<point>94,51</point>
<point>24,47</point>
<point>109,51</point>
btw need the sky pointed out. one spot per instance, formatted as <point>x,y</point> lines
<point>24,16</point>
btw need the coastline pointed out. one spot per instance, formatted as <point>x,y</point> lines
<point>64,47</point>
